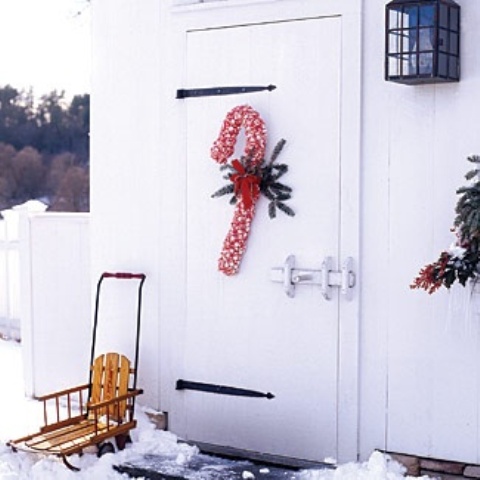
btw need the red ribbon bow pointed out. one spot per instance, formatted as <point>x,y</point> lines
<point>246,185</point>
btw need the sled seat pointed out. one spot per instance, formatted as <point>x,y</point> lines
<point>71,424</point>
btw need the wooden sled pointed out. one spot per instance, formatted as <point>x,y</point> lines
<point>91,414</point>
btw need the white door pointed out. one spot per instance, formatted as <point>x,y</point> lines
<point>243,331</point>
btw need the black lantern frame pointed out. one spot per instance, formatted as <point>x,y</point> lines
<point>422,41</point>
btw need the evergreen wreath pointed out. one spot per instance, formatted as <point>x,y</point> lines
<point>266,176</point>
<point>460,262</point>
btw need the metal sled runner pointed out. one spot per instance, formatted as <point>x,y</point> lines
<point>90,414</point>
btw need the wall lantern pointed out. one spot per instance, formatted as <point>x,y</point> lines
<point>422,41</point>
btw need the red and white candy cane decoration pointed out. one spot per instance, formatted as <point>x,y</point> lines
<point>246,185</point>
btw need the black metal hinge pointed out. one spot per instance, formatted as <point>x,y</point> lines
<point>221,389</point>
<point>214,91</point>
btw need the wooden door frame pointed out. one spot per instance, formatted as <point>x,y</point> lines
<point>176,22</point>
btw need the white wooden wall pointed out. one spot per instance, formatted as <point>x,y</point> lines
<point>418,370</point>
<point>125,160</point>
<point>419,358</point>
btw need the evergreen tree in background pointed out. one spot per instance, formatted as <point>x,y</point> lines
<point>44,149</point>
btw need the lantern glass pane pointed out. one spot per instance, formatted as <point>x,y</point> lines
<point>453,67</point>
<point>409,63</point>
<point>394,66</point>
<point>443,17</point>
<point>426,39</point>
<point>394,19</point>
<point>442,65</point>
<point>409,40</point>
<point>454,44</point>
<point>443,37</point>
<point>455,19</point>
<point>427,16</point>
<point>425,66</point>
<point>412,65</point>
<point>410,17</point>
<point>395,42</point>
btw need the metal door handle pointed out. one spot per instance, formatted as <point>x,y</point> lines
<point>287,276</point>
<point>348,277</point>
<point>326,287</point>
<point>326,277</point>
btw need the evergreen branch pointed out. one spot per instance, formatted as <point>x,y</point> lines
<point>285,209</point>
<point>474,221</point>
<point>272,211</point>
<point>462,190</point>
<point>281,167</point>
<point>283,196</point>
<point>269,194</point>
<point>474,158</point>
<point>277,150</point>
<point>225,190</point>
<point>461,267</point>
<point>472,174</point>
<point>280,186</point>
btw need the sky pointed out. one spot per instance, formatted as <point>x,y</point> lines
<point>46,45</point>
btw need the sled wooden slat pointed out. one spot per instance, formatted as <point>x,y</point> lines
<point>124,375</point>
<point>97,379</point>
<point>111,376</point>
<point>69,436</point>
<point>72,439</point>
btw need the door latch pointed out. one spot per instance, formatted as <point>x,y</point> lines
<point>325,277</point>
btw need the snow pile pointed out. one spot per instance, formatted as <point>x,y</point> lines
<point>146,441</point>
<point>378,467</point>
<point>20,416</point>
<point>17,414</point>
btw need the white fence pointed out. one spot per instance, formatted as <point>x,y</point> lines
<point>10,267</point>
<point>9,284</point>
<point>45,296</point>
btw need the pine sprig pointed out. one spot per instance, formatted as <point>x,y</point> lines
<point>461,262</point>
<point>225,190</point>
<point>277,150</point>
<point>285,209</point>
<point>269,173</point>
<point>274,190</point>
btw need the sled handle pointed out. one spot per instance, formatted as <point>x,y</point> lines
<point>123,275</point>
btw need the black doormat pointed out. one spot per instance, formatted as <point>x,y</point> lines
<point>203,467</point>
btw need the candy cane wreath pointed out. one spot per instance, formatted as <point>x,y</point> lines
<point>248,180</point>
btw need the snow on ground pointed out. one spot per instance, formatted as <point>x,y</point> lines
<point>20,416</point>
